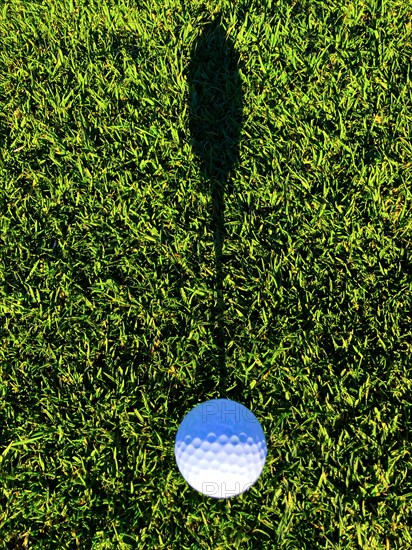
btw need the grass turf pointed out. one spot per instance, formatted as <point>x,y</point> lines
<point>135,285</point>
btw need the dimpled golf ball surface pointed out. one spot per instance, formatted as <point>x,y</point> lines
<point>220,448</point>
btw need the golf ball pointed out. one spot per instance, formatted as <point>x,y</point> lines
<point>220,448</point>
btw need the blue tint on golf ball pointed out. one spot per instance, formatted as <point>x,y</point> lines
<point>220,448</point>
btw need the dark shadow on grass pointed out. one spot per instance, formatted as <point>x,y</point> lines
<point>215,122</point>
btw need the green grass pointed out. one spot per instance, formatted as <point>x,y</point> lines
<point>113,287</point>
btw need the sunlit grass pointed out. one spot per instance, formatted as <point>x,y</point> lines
<point>108,274</point>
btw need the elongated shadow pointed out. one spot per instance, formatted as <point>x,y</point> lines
<point>215,121</point>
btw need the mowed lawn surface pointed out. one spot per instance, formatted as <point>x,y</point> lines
<point>113,288</point>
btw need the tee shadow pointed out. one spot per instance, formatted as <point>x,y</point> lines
<point>215,122</point>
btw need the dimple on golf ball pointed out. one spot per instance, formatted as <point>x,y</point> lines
<point>220,448</point>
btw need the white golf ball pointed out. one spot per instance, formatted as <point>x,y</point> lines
<point>220,448</point>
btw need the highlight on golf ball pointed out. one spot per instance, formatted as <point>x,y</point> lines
<point>220,448</point>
